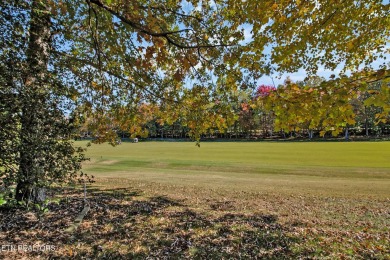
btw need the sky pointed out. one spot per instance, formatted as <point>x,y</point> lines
<point>300,75</point>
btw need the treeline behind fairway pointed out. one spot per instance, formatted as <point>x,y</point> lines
<point>313,108</point>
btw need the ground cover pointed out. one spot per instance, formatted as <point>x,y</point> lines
<point>223,200</point>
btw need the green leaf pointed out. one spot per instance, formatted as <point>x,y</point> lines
<point>2,201</point>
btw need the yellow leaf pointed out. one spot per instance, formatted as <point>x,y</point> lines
<point>350,45</point>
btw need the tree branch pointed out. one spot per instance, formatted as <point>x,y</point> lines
<point>111,73</point>
<point>163,8</point>
<point>165,35</point>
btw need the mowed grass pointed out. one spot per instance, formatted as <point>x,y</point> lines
<point>328,199</point>
<point>329,154</point>
<point>328,168</point>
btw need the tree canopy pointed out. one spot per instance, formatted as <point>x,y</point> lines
<point>67,62</point>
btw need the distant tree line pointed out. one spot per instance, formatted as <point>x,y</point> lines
<point>311,108</point>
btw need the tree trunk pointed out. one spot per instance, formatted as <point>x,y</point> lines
<point>34,96</point>
<point>310,134</point>
<point>346,134</point>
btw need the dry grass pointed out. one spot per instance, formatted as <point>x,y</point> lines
<point>201,206</point>
<point>333,197</point>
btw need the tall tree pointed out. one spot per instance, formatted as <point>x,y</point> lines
<point>36,127</point>
<point>98,60</point>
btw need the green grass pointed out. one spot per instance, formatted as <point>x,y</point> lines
<point>260,200</point>
<point>316,168</point>
<point>330,198</point>
<point>358,154</point>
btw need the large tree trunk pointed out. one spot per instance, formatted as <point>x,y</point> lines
<point>34,96</point>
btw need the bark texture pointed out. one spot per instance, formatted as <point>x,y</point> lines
<point>34,110</point>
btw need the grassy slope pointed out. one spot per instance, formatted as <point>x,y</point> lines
<point>357,154</point>
<point>332,197</point>
<point>328,168</point>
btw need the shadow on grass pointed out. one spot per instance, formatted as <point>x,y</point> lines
<point>117,193</point>
<point>119,226</point>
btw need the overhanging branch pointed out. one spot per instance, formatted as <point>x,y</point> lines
<point>165,35</point>
<point>111,73</point>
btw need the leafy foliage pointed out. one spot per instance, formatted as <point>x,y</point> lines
<point>110,65</point>
<point>35,147</point>
<point>328,107</point>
